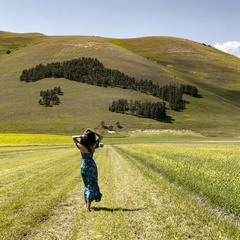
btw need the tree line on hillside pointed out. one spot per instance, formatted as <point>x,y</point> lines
<point>153,110</point>
<point>50,97</point>
<point>92,71</point>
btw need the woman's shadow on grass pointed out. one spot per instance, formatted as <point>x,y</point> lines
<point>117,209</point>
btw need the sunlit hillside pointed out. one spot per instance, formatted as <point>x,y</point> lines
<point>163,60</point>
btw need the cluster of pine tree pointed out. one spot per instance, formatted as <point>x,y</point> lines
<point>92,71</point>
<point>80,70</point>
<point>50,97</point>
<point>189,89</point>
<point>153,110</point>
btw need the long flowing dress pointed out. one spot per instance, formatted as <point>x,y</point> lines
<point>89,173</point>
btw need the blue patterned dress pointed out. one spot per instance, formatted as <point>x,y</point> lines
<point>89,175</point>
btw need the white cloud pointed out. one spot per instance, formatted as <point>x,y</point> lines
<point>231,47</point>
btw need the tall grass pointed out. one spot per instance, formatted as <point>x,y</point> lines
<point>211,171</point>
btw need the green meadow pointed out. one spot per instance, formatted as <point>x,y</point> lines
<point>166,188</point>
<point>160,180</point>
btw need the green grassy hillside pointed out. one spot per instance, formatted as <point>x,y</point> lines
<point>164,60</point>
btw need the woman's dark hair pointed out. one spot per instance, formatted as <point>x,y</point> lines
<point>88,140</point>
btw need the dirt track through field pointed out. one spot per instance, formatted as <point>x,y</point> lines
<point>137,203</point>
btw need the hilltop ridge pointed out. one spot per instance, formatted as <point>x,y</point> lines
<point>164,60</point>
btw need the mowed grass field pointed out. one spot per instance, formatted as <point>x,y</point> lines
<point>172,189</point>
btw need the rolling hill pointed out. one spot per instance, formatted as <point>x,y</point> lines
<point>163,60</point>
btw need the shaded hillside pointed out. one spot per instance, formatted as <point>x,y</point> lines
<point>188,61</point>
<point>163,60</point>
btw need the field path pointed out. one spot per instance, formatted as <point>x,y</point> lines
<point>137,203</point>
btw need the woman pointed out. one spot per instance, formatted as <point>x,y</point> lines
<point>87,145</point>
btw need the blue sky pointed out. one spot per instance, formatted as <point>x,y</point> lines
<point>214,22</point>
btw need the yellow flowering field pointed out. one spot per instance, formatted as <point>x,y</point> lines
<point>211,171</point>
<point>33,139</point>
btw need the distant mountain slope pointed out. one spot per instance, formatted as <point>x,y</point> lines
<point>188,61</point>
<point>163,60</point>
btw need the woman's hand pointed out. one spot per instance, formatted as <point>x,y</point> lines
<point>89,130</point>
<point>84,137</point>
<point>79,136</point>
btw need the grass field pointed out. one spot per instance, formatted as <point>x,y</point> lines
<point>172,189</point>
<point>159,180</point>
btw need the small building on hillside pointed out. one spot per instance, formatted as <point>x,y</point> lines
<point>111,129</point>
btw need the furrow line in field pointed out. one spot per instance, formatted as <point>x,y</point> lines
<point>31,199</point>
<point>137,203</point>
<point>178,209</point>
<point>35,168</point>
